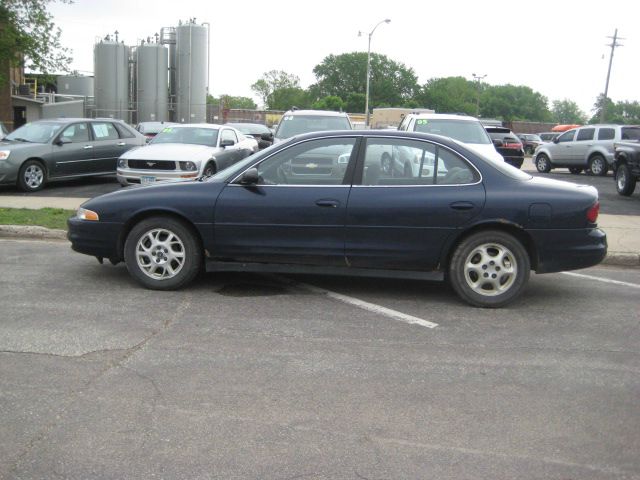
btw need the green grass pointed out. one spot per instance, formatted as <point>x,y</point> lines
<point>45,217</point>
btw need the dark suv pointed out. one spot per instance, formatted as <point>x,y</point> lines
<point>507,144</point>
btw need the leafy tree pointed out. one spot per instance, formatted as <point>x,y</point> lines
<point>567,112</point>
<point>450,94</point>
<point>271,81</point>
<point>391,83</point>
<point>228,101</point>
<point>29,38</point>
<point>630,112</point>
<point>330,102</point>
<point>285,98</point>
<point>355,102</point>
<point>610,112</point>
<point>514,102</point>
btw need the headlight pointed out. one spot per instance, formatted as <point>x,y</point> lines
<point>84,214</point>
<point>122,163</point>
<point>189,166</point>
<point>4,154</point>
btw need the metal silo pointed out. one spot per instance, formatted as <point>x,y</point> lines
<point>74,85</point>
<point>192,67</point>
<point>152,82</point>
<point>111,83</point>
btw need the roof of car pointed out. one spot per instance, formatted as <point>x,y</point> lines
<point>212,126</point>
<point>78,119</point>
<point>322,113</point>
<point>443,116</point>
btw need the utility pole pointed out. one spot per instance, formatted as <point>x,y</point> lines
<point>613,46</point>
<point>478,79</point>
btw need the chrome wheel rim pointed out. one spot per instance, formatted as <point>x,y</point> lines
<point>33,176</point>
<point>542,163</point>
<point>596,166</point>
<point>490,269</point>
<point>622,178</point>
<point>160,254</point>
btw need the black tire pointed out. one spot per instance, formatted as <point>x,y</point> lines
<point>210,170</point>
<point>485,280</point>
<point>152,265</point>
<point>575,170</point>
<point>32,176</point>
<point>386,163</point>
<point>543,164</point>
<point>598,165</point>
<point>625,181</point>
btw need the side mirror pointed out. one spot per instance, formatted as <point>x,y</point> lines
<point>555,139</point>
<point>250,177</point>
<point>267,136</point>
<point>63,141</point>
<point>227,143</point>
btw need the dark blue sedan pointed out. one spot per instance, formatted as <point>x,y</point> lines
<point>322,203</point>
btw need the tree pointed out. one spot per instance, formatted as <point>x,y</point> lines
<point>29,38</point>
<point>285,98</point>
<point>271,81</point>
<point>391,83</point>
<point>514,102</point>
<point>567,112</point>
<point>450,94</point>
<point>229,101</point>
<point>330,102</point>
<point>610,113</point>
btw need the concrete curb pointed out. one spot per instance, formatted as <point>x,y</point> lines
<point>41,233</point>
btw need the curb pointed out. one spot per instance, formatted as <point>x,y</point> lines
<point>41,233</point>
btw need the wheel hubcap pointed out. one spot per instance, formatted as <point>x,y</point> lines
<point>542,163</point>
<point>160,254</point>
<point>33,176</point>
<point>622,179</point>
<point>596,166</point>
<point>490,269</point>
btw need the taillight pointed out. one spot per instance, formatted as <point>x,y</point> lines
<point>592,213</point>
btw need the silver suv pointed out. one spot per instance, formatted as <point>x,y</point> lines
<point>297,122</point>
<point>589,148</point>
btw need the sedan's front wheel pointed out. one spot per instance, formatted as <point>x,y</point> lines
<point>32,176</point>
<point>162,253</point>
<point>489,269</point>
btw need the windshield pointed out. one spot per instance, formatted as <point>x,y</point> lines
<point>292,125</point>
<point>191,135</point>
<point>464,131</point>
<point>38,132</point>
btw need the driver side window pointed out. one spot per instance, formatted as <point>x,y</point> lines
<point>78,132</point>
<point>316,162</point>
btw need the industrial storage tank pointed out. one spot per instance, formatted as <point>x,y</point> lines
<point>152,83</point>
<point>74,85</point>
<point>111,70</point>
<point>192,72</point>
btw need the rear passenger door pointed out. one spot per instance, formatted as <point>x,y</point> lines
<point>402,222</point>
<point>107,147</point>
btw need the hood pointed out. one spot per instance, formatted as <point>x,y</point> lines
<point>17,146</point>
<point>172,151</point>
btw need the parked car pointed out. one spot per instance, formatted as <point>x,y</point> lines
<point>462,128</point>
<point>627,166</point>
<point>260,132</point>
<point>151,129</point>
<point>484,224</point>
<point>589,148</point>
<point>530,142</point>
<point>548,136</point>
<point>507,144</point>
<point>48,150</point>
<point>185,152</point>
<point>297,122</point>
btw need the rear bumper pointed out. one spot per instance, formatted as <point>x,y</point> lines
<point>97,239</point>
<point>559,250</point>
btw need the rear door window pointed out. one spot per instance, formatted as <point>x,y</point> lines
<point>585,134</point>
<point>104,131</point>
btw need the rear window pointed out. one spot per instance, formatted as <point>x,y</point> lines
<point>630,133</point>
<point>464,131</point>
<point>504,136</point>
<point>292,125</point>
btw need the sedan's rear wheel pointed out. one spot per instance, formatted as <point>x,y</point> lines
<point>489,269</point>
<point>625,181</point>
<point>31,176</point>
<point>162,253</point>
<point>598,165</point>
<point>543,164</point>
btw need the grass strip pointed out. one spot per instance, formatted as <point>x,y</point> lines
<point>44,217</point>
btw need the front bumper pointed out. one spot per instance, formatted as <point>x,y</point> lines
<point>560,250</point>
<point>98,239</point>
<point>134,177</point>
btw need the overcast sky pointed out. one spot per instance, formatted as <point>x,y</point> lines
<point>558,48</point>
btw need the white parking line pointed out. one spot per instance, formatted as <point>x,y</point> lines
<point>371,307</point>
<point>601,279</point>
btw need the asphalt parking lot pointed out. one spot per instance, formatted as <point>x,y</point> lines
<point>244,376</point>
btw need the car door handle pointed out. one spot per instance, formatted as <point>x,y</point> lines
<point>87,147</point>
<point>328,203</point>
<point>462,205</point>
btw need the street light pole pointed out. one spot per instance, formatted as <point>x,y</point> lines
<point>478,78</point>
<point>366,97</point>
